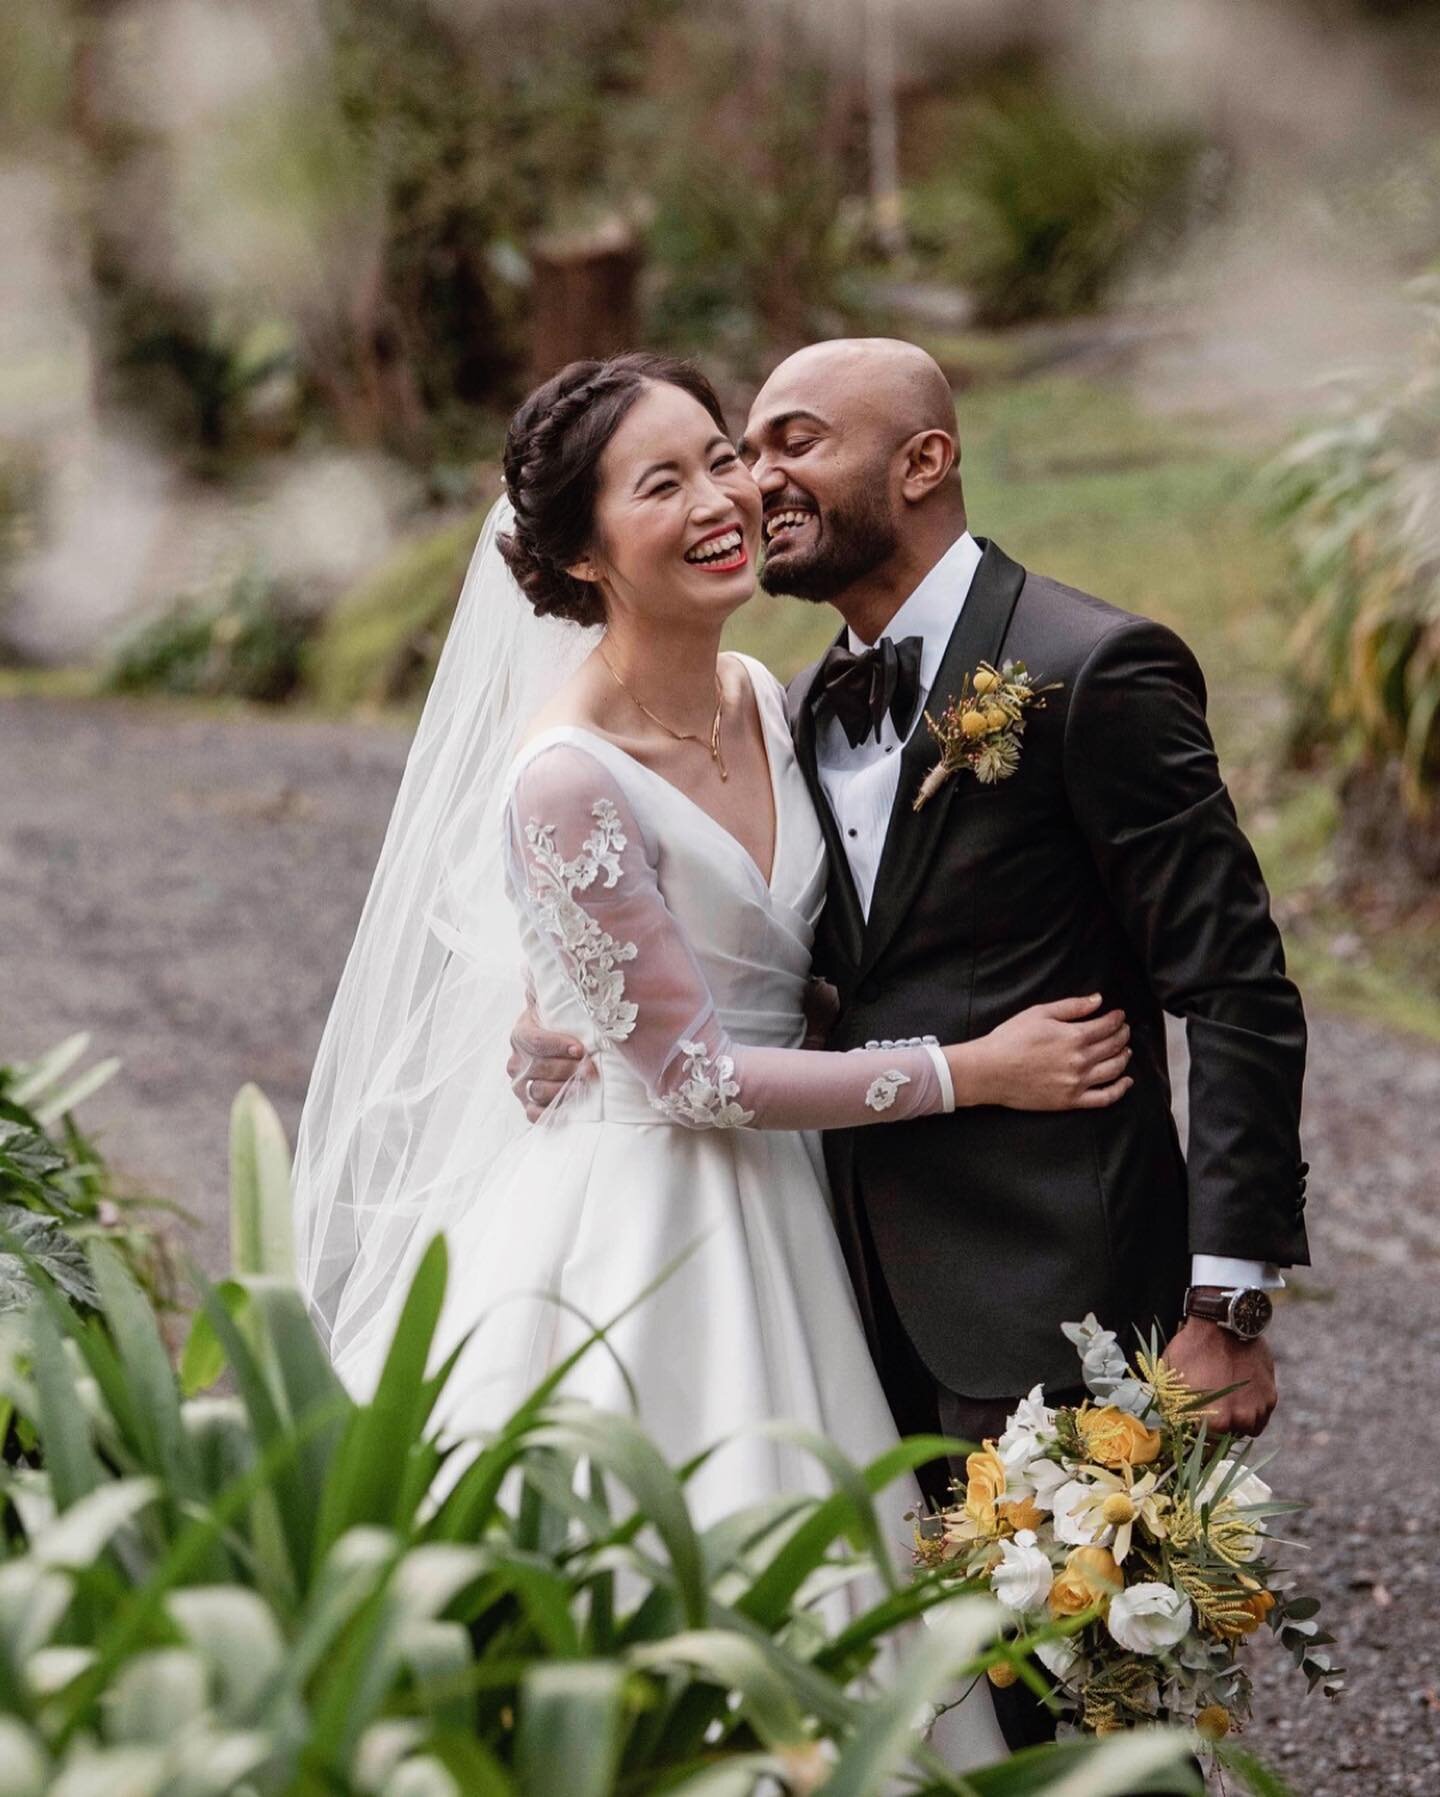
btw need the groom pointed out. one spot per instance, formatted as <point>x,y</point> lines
<point>1109,862</point>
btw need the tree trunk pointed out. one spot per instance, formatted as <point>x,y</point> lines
<point>583,298</point>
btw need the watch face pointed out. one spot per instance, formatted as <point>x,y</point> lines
<point>1249,1313</point>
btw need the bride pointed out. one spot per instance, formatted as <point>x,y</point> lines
<point>602,816</point>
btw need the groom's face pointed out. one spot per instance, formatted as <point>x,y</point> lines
<point>824,469</point>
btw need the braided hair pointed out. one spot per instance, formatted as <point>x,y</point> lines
<point>552,471</point>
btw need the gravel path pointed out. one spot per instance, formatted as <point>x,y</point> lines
<point>185,886</point>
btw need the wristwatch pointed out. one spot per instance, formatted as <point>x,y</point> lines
<point>1246,1312</point>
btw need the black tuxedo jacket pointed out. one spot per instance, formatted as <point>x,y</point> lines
<point>1111,861</point>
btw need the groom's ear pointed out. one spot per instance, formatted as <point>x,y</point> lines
<point>929,458</point>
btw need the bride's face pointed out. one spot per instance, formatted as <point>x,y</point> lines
<point>677,517</point>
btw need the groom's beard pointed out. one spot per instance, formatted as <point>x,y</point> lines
<point>852,540</point>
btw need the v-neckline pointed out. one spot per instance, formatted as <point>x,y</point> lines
<point>771,770</point>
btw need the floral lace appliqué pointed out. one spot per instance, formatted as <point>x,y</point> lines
<point>706,1096</point>
<point>884,1087</point>
<point>594,956</point>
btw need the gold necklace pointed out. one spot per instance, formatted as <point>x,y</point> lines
<point>717,753</point>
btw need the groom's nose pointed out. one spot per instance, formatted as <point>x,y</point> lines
<point>769,477</point>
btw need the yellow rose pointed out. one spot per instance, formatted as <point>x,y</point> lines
<point>972,723</point>
<point>1115,1438</point>
<point>1022,1513</point>
<point>995,718</point>
<point>985,682</point>
<point>984,1487</point>
<point>1091,1576</point>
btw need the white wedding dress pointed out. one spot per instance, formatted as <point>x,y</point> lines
<point>681,1162</point>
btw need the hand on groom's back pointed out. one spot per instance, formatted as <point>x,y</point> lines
<point>541,1064</point>
<point>1210,1358</point>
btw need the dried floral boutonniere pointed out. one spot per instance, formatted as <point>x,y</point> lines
<point>982,729</point>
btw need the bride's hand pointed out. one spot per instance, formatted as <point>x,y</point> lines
<point>1055,1057</point>
<point>541,1063</point>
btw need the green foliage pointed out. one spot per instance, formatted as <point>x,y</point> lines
<point>1362,502</point>
<point>755,240</point>
<point>56,1192</point>
<point>247,644</point>
<point>381,642</point>
<point>261,1226</point>
<point>288,1590</point>
<point>1039,209</point>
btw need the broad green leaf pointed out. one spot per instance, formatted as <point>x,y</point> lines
<point>27,1236</point>
<point>570,1729</point>
<point>202,1360</point>
<point>368,1471</point>
<point>81,1532</point>
<point>621,1448</point>
<point>38,1076</point>
<point>60,1418</point>
<point>423,1776</point>
<point>773,1589</point>
<point>732,1663</point>
<point>159,1436</point>
<point>437,1655</point>
<point>114,1772</point>
<point>1142,1759</point>
<point>261,1223</point>
<point>156,1695</point>
<point>24,1763</point>
<point>53,1106</point>
<point>1254,1775</point>
<point>885,1738</point>
<point>237,1633</point>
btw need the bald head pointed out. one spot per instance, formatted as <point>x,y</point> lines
<point>872,378</point>
<point>854,446</point>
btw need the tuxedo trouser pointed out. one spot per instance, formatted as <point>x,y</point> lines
<point>922,1405</point>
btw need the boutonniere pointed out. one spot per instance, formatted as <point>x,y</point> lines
<point>983,728</point>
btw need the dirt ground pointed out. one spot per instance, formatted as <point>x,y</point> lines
<point>185,887</point>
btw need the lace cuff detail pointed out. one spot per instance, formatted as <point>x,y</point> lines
<point>705,1098</point>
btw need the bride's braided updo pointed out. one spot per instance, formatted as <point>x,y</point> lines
<point>552,471</point>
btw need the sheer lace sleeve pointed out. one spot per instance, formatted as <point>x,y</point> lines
<point>581,870</point>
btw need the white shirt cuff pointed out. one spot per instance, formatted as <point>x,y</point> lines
<point>1234,1275</point>
<point>942,1070</point>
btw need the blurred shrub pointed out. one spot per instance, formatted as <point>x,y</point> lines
<point>1038,209</point>
<point>248,644</point>
<point>380,643</point>
<point>57,1193</point>
<point>1361,499</point>
<point>755,241</point>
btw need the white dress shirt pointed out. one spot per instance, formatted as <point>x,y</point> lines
<point>860,785</point>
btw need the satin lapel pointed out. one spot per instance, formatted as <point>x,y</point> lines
<point>912,837</point>
<point>848,921</point>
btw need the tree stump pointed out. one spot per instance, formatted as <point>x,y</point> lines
<point>583,295</point>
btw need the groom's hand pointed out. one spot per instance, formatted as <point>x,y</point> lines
<point>1208,1358</point>
<point>541,1064</point>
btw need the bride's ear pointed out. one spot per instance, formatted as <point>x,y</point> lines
<point>584,570</point>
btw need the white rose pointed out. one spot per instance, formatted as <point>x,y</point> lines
<point>1077,1527</point>
<point>1024,1576</point>
<point>1149,1618</point>
<point>1247,1488</point>
<point>1062,1659</point>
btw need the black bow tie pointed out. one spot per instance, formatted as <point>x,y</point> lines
<point>860,689</point>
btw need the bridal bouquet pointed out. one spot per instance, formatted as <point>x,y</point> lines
<point>1135,1542</point>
